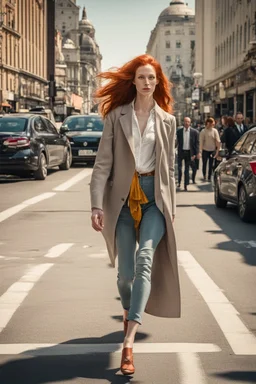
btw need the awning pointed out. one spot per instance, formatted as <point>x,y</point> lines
<point>4,104</point>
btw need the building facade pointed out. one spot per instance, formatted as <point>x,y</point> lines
<point>80,50</point>
<point>172,43</point>
<point>23,54</point>
<point>226,56</point>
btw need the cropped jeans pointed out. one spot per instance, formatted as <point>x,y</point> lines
<point>134,266</point>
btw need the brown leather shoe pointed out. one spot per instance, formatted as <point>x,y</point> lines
<point>127,367</point>
<point>125,326</point>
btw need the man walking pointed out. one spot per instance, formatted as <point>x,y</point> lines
<point>233,133</point>
<point>188,150</point>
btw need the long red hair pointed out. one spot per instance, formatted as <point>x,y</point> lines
<point>120,89</point>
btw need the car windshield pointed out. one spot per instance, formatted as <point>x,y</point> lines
<point>84,123</point>
<point>12,124</point>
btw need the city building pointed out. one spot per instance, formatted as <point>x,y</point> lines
<point>225,69</point>
<point>81,53</point>
<point>23,54</point>
<point>172,43</point>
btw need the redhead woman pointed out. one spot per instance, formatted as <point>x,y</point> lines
<point>133,193</point>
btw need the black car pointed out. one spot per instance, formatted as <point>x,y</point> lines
<point>84,133</point>
<point>235,177</point>
<point>30,143</point>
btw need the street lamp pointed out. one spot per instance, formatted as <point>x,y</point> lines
<point>2,14</point>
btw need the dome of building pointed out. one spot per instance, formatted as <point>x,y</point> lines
<point>69,44</point>
<point>85,25</point>
<point>87,43</point>
<point>176,9</point>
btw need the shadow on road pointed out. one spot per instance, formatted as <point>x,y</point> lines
<point>10,179</point>
<point>246,376</point>
<point>242,235</point>
<point>29,369</point>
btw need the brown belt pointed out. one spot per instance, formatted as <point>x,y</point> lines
<point>152,173</point>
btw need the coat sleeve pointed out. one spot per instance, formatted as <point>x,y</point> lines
<point>172,136</point>
<point>103,164</point>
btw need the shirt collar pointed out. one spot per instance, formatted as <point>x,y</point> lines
<point>187,129</point>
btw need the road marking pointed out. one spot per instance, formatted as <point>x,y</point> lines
<point>98,255</point>
<point>14,296</point>
<point>240,339</point>
<point>82,349</point>
<point>191,369</point>
<point>58,250</point>
<point>17,208</point>
<point>247,244</point>
<point>80,176</point>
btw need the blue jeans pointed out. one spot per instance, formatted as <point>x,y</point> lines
<point>134,268</point>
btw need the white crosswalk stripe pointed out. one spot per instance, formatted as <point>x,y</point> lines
<point>239,337</point>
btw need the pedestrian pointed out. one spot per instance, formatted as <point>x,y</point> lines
<point>234,131</point>
<point>223,125</point>
<point>133,192</point>
<point>209,146</point>
<point>188,151</point>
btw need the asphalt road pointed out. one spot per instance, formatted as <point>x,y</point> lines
<point>60,315</point>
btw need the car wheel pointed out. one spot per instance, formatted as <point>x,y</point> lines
<point>41,172</point>
<point>68,160</point>
<point>244,211</point>
<point>219,201</point>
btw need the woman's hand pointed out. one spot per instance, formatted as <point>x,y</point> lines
<point>97,219</point>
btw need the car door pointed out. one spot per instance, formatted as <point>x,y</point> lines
<point>43,136</point>
<point>58,143</point>
<point>228,174</point>
<point>240,167</point>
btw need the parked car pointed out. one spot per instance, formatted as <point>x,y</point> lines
<point>84,133</point>
<point>31,143</point>
<point>235,177</point>
<point>46,112</point>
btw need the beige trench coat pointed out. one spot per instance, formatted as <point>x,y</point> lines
<point>110,184</point>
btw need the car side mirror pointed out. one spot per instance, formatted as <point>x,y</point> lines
<point>223,153</point>
<point>63,129</point>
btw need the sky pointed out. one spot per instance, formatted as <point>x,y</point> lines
<point>123,26</point>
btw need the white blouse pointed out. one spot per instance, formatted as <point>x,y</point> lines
<point>145,145</point>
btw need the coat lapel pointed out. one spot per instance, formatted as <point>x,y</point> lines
<point>126,124</point>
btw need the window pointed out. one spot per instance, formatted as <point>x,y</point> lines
<point>237,41</point>
<point>191,32</point>
<point>239,144</point>
<point>167,44</point>
<point>233,45</point>
<point>248,144</point>
<point>39,125</point>
<point>177,58</point>
<point>245,35</point>
<point>167,33</point>
<point>168,58</point>
<point>241,39</point>
<point>254,149</point>
<point>178,32</point>
<point>249,31</point>
<point>178,44</point>
<point>50,127</point>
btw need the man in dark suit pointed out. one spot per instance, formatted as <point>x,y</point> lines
<point>233,132</point>
<point>188,150</point>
